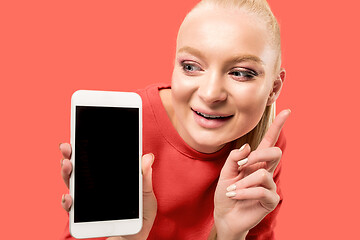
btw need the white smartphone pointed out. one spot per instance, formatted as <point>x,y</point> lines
<point>106,181</point>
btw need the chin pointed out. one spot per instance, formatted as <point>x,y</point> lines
<point>208,143</point>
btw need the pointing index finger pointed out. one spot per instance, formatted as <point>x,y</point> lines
<point>273,133</point>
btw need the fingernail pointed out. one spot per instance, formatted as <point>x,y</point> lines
<point>60,146</point>
<point>231,188</point>
<point>289,110</point>
<point>63,198</point>
<point>242,162</point>
<point>230,194</point>
<point>242,148</point>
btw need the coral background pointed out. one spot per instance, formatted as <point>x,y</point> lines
<point>49,49</point>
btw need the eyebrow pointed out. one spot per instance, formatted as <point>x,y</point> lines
<point>235,59</point>
<point>245,58</point>
<point>192,51</point>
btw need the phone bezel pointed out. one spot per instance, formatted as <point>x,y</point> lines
<point>113,227</point>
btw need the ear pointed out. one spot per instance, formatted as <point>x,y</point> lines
<point>277,85</point>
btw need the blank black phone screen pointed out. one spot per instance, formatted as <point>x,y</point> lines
<point>106,163</point>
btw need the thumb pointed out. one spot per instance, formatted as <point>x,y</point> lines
<point>146,163</point>
<point>236,158</point>
<point>149,199</point>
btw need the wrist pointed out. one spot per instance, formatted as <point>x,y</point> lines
<point>225,232</point>
<point>229,236</point>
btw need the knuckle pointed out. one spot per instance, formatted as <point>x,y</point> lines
<point>63,164</point>
<point>274,186</point>
<point>277,198</point>
<point>278,152</point>
<point>264,174</point>
<point>262,193</point>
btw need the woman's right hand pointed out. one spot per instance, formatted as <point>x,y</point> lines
<point>149,199</point>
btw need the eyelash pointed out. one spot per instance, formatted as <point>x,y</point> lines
<point>247,74</point>
<point>185,64</point>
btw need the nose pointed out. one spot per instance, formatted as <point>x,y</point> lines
<point>212,89</point>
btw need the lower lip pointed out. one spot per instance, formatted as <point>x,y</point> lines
<point>210,123</point>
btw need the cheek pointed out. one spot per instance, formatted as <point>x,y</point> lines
<point>251,102</point>
<point>177,91</point>
<point>181,88</point>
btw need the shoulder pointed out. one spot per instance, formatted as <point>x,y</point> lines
<point>152,89</point>
<point>150,96</point>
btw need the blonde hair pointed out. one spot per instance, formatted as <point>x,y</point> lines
<point>261,9</point>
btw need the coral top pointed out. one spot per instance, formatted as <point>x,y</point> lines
<point>184,179</point>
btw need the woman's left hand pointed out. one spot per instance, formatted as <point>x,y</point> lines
<point>246,194</point>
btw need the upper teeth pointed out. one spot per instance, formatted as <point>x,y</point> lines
<point>208,116</point>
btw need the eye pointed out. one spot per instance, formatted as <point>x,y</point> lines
<point>190,67</point>
<point>243,74</point>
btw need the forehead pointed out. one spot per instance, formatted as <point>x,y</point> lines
<point>219,31</point>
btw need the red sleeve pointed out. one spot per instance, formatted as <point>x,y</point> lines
<point>265,229</point>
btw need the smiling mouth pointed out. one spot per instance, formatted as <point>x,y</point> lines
<point>212,117</point>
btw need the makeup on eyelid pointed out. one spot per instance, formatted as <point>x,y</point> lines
<point>238,73</point>
<point>245,66</point>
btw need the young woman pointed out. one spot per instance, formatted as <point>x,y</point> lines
<point>214,148</point>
